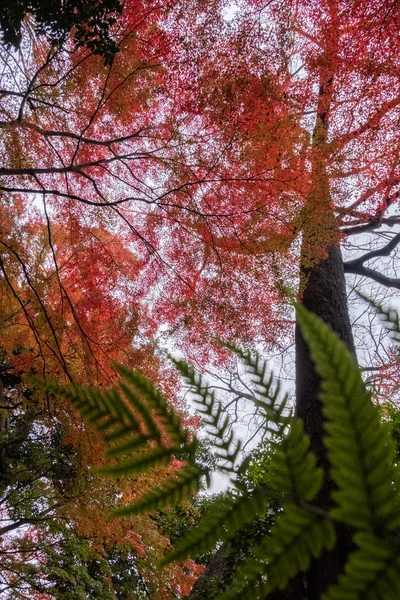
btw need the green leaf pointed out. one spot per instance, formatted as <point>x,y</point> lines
<point>371,573</point>
<point>293,469</point>
<point>298,536</point>
<point>139,464</point>
<point>267,394</point>
<point>169,418</point>
<point>359,449</point>
<point>215,423</point>
<point>187,482</point>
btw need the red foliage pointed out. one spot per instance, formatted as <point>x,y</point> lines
<point>163,198</point>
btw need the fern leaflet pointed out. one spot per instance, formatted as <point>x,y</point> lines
<point>211,411</point>
<point>371,573</point>
<point>221,525</point>
<point>298,536</point>
<point>186,482</point>
<point>293,468</point>
<point>358,448</point>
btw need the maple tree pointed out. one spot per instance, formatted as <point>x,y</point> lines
<point>216,158</point>
<point>69,304</point>
<point>340,163</point>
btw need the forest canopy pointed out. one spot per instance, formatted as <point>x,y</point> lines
<point>174,177</point>
<point>89,22</point>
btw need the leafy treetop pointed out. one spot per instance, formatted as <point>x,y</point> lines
<point>91,22</point>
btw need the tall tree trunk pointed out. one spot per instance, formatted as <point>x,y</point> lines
<point>324,294</point>
<point>323,291</point>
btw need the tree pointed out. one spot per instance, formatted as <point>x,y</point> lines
<point>69,304</point>
<point>338,173</point>
<point>92,22</point>
<point>365,497</point>
<point>229,160</point>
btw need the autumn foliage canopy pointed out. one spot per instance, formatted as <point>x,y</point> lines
<point>165,190</point>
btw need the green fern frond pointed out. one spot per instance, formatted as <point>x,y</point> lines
<point>127,423</point>
<point>293,469</point>
<point>211,412</point>
<point>169,418</point>
<point>222,524</point>
<point>371,573</point>
<point>134,442</point>
<point>122,422</point>
<point>153,430</point>
<point>186,482</point>
<point>389,316</point>
<point>106,410</point>
<point>391,319</point>
<point>358,447</point>
<point>298,536</point>
<point>267,393</point>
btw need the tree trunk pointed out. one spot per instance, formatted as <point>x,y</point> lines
<point>324,294</point>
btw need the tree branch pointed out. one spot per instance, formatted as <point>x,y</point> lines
<point>372,122</point>
<point>384,251</point>
<point>75,136</point>
<point>357,266</point>
<point>370,225</point>
<point>27,521</point>
<point>378,277</point>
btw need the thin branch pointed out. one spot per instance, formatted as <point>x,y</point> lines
<point>28,521</point>
<point>74,136</point>
<point>357,266</point>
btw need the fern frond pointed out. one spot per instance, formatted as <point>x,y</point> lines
<point>100,408</point>
<point>293,469</point>
<point>371,573</point>
<point>211,412</point>
<point>221,524</point>
<point>128,424</point>
<point>153,430</point>
<point>298,536</point>
<point>169,418</point>
<point>358,447</point>
<point>187,482</point>
<point>389,316</point>
<point>105,409</point>
<point>267,394</point>
<point>134,442</point>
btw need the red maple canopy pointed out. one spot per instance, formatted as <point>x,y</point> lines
<point>176,193</point>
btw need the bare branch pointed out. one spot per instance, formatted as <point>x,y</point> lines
<point>372,274</point>
<point>371,225</point>
<point>384,251</point>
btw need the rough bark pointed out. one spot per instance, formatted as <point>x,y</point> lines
<point>215,577</point>
<point>323,292</point>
